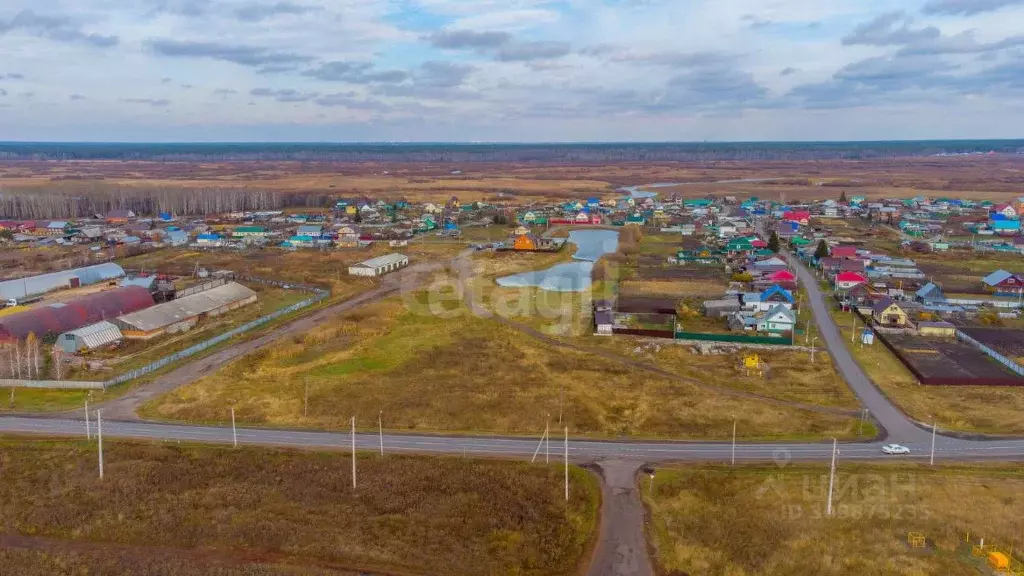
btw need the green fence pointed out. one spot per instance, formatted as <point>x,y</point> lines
<point>735,338</point>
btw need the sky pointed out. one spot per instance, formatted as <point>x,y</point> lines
<point>510,70</point>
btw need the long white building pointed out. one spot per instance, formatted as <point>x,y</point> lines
<point>379,266</point>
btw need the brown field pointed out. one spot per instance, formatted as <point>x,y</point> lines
<point>176,510</point>
<point>975,177</point>
<point>449,371</point>
<point>770,521</point>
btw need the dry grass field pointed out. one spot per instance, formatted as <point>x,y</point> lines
<point>978,409</point>
<point>449,371</point>
<point>787,374</point>
<point>179,509</point>
<point>974,177</point>
<point>770,521</point>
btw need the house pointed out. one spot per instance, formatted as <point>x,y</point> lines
<point>1003,281</point>
<point>57,228</point>
<point>778,295</point>
<point>930,293</point>
<point>119,216</point>
<point>1005,227</point>
<point>741,321</point>
<point>886,312</point>
<point>799,216</point>
<point>300,241</point>
<point>771,263</point>
<point>379,266</point>
<point>177,238</point>
<point>781,276</point>
<point>777,320</point>
<point>209,239</point>
<point>250,232</point>
<point>525,242</point>
<point>846,280</point>
<point>939,329</point>
<point>604,318</point>
<point>310,230</point>
<point>529,218</point>
<point>843,251</point>
<point>1006,210</point>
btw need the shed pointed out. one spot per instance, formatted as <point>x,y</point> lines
<point>181,314</point>
<point>379,266</point>
<point>943,329</point>
<point>90,337</point>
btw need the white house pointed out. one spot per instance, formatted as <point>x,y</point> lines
<point>379,266</point>
<point>778,319</point>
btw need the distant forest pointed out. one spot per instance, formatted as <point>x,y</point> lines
<point>83,202</point>
<point>465,153</point>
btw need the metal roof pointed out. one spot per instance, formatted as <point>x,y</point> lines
<point>75,313</point>
<point>163,315</point>
<point>95,335</point>
<point>48,282</point>
<point>385,260</point>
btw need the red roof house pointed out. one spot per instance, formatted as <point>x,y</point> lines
<point>799,216</point>
<point>843,251</point>
<point>781,276</point>
<point>847,280</point>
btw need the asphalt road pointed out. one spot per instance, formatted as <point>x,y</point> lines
<point>899,428</point>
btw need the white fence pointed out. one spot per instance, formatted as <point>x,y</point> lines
<point>1010,364</point>
<point>53,384</point>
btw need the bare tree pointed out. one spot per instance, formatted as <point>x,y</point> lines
<point>17,357</point>
<point>32,354</point>
<point>59,368</point>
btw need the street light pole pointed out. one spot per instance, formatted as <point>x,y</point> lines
<point>932,459</point>
<point>566,463</point>
<point>380,430</point>
<point>88,435</point>
<point>733,441</point>
<point>831,477</point>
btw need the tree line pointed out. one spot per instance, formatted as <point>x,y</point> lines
<point>84,200</point>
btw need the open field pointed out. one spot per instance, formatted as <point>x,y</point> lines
<point>768,521</point>
<point>786,375</point>
<point>449,371</point>
<point>975,177</point>
<point>978,409</point>
<point>213,510</point>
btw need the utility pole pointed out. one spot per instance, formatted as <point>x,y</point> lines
<point>812,348</point>
<point>863,416</point>
<point>566,463</point>
<point>99,436</point>
<point>561,398</point>
<point>853,330</point>
<point>88,434</point>
<point>234,432</point>
<point>831,478</point>
<point>932,459</point>
<point>547,440</point>
<point>733,440</point>
<point>380,431</point>
<point>353,452</point>
<point>305,397</point>
<point>807,332</point>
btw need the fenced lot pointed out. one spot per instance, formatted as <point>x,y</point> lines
<point>938,361</point>
<point>1008,342</point>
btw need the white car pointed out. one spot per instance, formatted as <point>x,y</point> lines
<point>895,449</point>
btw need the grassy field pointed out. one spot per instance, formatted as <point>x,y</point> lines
<point>452,372</point>
<point>979,409</point>
<point>262,511</point>
<point>768,521</point>
<point>787,375</point>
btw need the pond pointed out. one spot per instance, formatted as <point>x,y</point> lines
<point>569,276</point>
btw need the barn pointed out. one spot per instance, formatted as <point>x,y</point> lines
<point>61,317</point>
<point>182,314</point>
<point>379,266</point>
<point>74,278</point>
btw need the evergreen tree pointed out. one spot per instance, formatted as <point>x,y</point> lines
<point>822,250</point>
<point>773,241</point>
<point>842,196</point>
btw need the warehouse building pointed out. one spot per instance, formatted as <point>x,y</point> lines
<point>182,314</point>
<point>61,317</point>
<point>379,266</point>
<point>44,283</point>
<point>90,337</point>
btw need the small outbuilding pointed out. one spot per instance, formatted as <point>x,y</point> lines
<point>379,266</point>
<point>90,337</point>
<point>941,329</point>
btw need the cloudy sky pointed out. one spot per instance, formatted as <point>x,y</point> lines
<point>510,70</point>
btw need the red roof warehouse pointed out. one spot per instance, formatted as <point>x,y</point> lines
<point>61,317</point>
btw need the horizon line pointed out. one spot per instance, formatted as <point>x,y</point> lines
<point>491,142</point>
